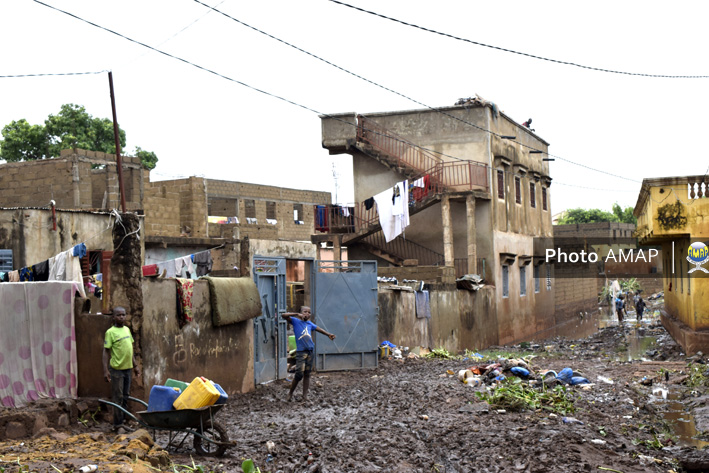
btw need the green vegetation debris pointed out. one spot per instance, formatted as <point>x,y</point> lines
<point>515,394</point>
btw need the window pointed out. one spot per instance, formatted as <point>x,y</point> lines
<point>532,195</point>
<point>5,260</point>
<point>500,184</point>
<point>505,281</point>
<point>298,214</point>
<point>250,208</point>
<point>222,207</point>
<point>271,210</point>
<point>522,280</point>
<point>518,190</point>
<point>536,279</point>
<point>548,277</point>
<point>681,277</point>
<point>544,199</point>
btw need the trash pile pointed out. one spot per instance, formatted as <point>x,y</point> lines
<point>497,371</point>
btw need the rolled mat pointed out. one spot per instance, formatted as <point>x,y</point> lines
<point>233,300</point>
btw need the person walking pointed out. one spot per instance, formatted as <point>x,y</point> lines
<point>303,329</point>
<point>620,307</point>
<point>640,308</point>
<point>118,364</point>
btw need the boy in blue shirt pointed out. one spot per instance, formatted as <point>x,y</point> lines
<point>303,328</point>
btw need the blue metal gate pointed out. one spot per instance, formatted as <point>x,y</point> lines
<point>270,330</point>
<point>346,304</point>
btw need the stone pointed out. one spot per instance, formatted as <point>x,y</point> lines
<point>15,430</point>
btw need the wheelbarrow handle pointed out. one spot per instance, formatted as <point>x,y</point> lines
<point>124,410</point>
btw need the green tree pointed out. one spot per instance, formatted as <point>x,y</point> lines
<point>574,216</point>
<point>72,127</point>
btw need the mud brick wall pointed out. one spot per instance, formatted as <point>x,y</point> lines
<point>429,274</point>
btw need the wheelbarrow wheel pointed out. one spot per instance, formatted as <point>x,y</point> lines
<point>214,432</point>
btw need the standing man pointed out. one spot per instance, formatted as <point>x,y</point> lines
<point>303,328</point>
<point>118,363</point>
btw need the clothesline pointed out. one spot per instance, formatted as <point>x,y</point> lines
<point>184,264</point>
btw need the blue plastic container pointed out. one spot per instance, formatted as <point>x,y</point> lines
<point>162,397</point>
<point>223,396</point>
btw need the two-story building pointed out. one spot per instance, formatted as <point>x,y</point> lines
<point>485,199</point>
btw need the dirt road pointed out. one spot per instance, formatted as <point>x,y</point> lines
<point>412,415</point>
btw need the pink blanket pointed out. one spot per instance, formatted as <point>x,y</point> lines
<point>37,342</point>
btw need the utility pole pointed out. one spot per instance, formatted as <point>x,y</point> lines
<point>119,162</point>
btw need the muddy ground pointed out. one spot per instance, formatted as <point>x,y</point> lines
<point>411,415</point>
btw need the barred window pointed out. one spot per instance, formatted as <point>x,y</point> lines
<point>500,184</point>
<point>518,190</point>
<point>532,195</point>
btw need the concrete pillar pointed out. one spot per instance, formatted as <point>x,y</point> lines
<point>472,245</point>
<point>245,257</point>
<point>337,248</point>
<point>75,178</point>
<point>447,230</point>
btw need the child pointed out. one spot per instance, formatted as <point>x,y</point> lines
<point>303,327</point>
<point>640,308</point>
<point>118,362</point>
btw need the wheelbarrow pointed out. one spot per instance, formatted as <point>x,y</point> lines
<point>209,437</point>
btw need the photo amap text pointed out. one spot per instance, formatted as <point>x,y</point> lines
<point>621,255</point>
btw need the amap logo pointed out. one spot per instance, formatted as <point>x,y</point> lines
<point>698,254</point>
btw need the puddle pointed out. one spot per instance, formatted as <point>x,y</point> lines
<point>681,421</point>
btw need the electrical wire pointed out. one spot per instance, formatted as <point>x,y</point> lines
<point>477,43</point>
<point>52,74</point>
<point>438,110</point>
<point>287,100</point>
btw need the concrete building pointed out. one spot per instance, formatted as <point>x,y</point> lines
<point>671,212</point>
<point>487,198</point>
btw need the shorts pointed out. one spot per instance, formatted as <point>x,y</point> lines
<point>304,362</point>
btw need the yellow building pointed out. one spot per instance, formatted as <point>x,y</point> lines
<point>674,212</point>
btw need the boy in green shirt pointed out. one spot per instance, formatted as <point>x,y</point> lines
<point>118,362</point>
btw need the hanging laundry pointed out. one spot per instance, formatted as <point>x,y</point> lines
<point>57,271</point>
<point>13,276</point>
<point>26,274</point>
<point>79,250</point>
<point>321,219</point>
<point>185,288</point>
<point>167,269</point>
<point>393,209</point>
<point>423,305</point>
<point>369,203</point>
<point>41,271</point>
<point>73,271</point>
<point>203,260</point>
<point>421,187</point>
<point>4,277</point>
<point>344,211</point>
<point>188,267</point>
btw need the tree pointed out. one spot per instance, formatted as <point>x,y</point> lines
<point>72,127</point>
<point>574,216</point>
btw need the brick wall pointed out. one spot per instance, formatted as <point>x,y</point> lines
<point>70,181</point>
<point>573,295</point>
<point>162,211</point>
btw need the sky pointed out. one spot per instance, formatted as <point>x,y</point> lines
<point>607,131</point>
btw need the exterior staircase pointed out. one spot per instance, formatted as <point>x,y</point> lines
<point>361,225</point>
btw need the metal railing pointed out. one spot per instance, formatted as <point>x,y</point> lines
<point>459,176</point>
<point>405,249</point>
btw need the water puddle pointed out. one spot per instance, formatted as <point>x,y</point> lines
<point>681,421</point>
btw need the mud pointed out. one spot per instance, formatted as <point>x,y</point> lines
<point>411,415</point>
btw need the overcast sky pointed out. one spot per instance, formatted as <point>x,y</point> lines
<point>614,126</point>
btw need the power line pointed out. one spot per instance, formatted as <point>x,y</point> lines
<point>283,98</point>
<point>52,74</point>
<point>438,110</point>
<point>477,43</point>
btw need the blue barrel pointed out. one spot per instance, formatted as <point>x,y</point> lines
<point>223,396</point>
<point>162,397</point>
